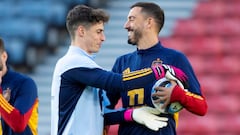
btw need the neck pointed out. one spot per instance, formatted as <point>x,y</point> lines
<point>147,43</point>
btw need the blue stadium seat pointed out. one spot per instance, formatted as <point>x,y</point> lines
<point>5,8</point>
<point>16,48</point>
<point>34,9</point>
<point>26,29</point>
<point>48,11</point>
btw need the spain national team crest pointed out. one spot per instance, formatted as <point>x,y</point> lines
<point>157,62</point>
<point>7,94</point>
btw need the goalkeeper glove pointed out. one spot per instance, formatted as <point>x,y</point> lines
<point>171,73</point>
<point>146,116</point>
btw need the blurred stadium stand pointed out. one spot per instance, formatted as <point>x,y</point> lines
<point>206,31</point>
<point>209,39</point>
<point>33,28</point>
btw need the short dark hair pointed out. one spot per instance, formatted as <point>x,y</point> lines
<point>86,16</point>
<point>2,48</point>
<point>152,10</point>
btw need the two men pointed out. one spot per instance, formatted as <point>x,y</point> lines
<point>76,107</point>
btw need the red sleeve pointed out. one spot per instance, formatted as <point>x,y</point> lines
<point>12,116</point>
<point>192,102</point>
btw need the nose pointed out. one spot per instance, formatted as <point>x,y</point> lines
<point>103,37</point>
<point>126,25</point>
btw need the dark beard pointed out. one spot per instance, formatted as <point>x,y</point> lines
<point>131,43</point>
<point>1,67</point>
<point>137,36</point>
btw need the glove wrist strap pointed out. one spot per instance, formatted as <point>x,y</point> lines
<point>128,115</point>
<point>158,72</point>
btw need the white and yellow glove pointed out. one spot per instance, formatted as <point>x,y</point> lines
<point>146,116</point>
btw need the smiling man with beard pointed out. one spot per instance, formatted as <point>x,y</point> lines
<point>144,22</point>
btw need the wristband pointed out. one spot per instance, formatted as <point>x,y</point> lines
<point>128,115</point>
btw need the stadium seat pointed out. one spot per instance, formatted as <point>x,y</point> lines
<point>212,85</point>
<point>215,65</point>
<point>196,125</point>
<point>228,27</point>
<point>26,29</point>
<point>232,8</point>
<point>206,45</point>
<point>189,27</point>
<point>231,45</point>
<point>53,13</point>
<point>209,9</point>
<point>197,63</point>
<point>16,49</point>
<point>229,125</point>
<point>230,65</point>
<point>232,84</point>
<point>174,43</point>
<point>225,104</point>
<point>6,9</point>
<point>35,10</point>
<point>58,14</point>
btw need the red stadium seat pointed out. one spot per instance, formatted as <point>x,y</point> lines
<point>228,27</point>
<point>208,10</point>
<point>230,65</point>
<point>232,85</point>
<point>203,45</point>
<point>217,65</point>
<point>212,85</point>
<point>226,104</point>
<point>229,125</point>
<point>231,45</point>
<point>177,43</point>
<point>232,8</point>
<point>196,125</point>
<point>189,27</point>
<point>196,62</point>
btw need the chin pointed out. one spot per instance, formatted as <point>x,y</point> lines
<point>131,42</point>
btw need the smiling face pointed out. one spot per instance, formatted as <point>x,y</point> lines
<point>93,38</point>
<point>135,25</point>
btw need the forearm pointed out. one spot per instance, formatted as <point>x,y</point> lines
<point>192,102</point>
<point>114,117</point>
<point>109,80</point>
<point>12,116</point>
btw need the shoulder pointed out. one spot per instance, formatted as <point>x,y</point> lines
<point>16,79</point>
<point>127,56</point>
<point>178,55</point>
<point>174,51</point>
<point>68,62</point>
<point>25,79</point>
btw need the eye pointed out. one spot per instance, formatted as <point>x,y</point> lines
<point>131,18</point>
<point>99,31</point>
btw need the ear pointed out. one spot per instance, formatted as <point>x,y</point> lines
<point>80,31</point>
<point>149,22</point>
